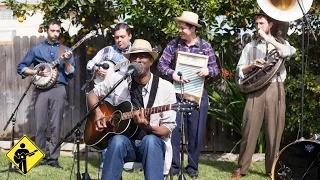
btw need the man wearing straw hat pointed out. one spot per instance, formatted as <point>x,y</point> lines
<point>196,121</point>
<point>144,90</point>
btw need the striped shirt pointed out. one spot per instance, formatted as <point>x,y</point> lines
<point>167,61</point>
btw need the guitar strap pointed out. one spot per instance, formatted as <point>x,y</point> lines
<point>61,50</point>
<point>153,92</point>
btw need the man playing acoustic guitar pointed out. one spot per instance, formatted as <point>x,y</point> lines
<point>143,90</point>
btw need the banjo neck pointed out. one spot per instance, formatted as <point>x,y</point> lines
<point>120,65</point>
<point>57,61</point>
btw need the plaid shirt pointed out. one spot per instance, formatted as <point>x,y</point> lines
<point>167,61</point>
<point>109,53</point>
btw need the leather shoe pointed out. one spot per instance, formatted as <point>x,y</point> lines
<point>193,175</point>
<point>42,162</point>
<point>54,164</point>
<point>236,176</point>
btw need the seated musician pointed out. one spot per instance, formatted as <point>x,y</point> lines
<point>143,90</point>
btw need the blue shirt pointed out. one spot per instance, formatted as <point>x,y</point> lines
<point>46,52</point>
<point>109,53</point>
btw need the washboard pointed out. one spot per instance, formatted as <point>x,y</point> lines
<point>187,64</point>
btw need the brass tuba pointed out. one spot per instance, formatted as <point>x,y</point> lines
<point>282,11</point>
<point>259,77</point>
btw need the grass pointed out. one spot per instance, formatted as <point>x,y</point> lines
<point>208,170</point>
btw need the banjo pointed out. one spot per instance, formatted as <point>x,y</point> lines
<point>111,68</point>
<point>47,82</point>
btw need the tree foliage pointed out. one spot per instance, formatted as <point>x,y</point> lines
<point>154,20</point>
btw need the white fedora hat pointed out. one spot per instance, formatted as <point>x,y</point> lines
<point>189,18</point>
<point>139,46</point>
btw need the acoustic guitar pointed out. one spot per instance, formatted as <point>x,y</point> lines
<point>121,121</point>
<point>23,156</point>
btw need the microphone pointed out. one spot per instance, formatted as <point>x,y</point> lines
<point>180,75</point>
<point>181,85</point>
<point>135,68</point>
<point>91,65</point>
<point>104,65</point>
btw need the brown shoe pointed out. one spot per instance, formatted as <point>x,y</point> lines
<point>236,176</point>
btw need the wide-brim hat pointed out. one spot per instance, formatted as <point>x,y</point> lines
<point>140,46</point>
<point>189,18</point>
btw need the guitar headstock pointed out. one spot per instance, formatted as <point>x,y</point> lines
<point>90,34</point>
<point>186,106</point>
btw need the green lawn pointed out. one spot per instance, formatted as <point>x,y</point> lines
<point>208,171</point>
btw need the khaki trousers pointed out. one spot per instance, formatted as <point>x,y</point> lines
<point>268,103</point>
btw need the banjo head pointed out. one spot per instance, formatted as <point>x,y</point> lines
<point>44,82</point>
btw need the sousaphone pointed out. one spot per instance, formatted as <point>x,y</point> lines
<point>282,11</point>
<point>285,10</point>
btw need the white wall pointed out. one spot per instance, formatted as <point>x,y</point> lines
<point>29,27</point>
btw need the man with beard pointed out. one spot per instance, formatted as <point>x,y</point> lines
<point>267,103</point>
<point>49,103</point>
<point>142,89</point>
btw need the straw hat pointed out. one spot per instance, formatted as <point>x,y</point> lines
<point>189,18</point>
<point>139,46</point>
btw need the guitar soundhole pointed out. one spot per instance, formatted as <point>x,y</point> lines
<point>115,120</point>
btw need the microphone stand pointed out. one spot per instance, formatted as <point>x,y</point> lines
<point>78,125</point>
<point>181,129</point>
<point>85,175</point>
<point>302,59</point>
<point>13,119</point>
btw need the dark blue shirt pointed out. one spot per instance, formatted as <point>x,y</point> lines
<point>46,52</point>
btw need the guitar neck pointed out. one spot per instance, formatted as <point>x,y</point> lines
<point>147,111</point>
<point>54,63</point>
<point>120,65</point>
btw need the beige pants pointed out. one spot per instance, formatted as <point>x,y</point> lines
<point>268,103</point>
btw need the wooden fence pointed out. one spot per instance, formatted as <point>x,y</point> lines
<point>218,137</point>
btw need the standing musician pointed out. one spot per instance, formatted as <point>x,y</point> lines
<point>49,103</point>
<point>143,90</point>
<point>266,103</point>
<point>122,36</point>
<point>196,121</point>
